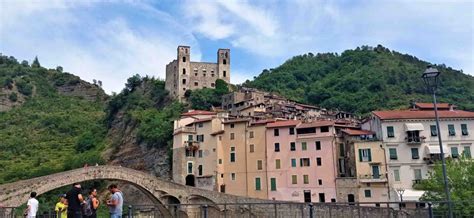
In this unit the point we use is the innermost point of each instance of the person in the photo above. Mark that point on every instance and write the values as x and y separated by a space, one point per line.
115 204
94 203
61 207
74 199
32 206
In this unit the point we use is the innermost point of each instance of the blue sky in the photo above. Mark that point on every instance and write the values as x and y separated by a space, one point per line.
112 40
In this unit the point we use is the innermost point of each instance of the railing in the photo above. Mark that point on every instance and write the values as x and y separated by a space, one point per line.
415 139
288 209
191 145
372 178
185 129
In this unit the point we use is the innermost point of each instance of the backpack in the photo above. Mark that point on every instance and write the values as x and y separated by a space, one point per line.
87 207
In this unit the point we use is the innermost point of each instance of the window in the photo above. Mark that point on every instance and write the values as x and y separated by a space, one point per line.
320 182
213 84
232 136
200 138
454 152
367 193
195 74
273 186
220 161
200 153
451 130
396 175
467 151
200 170
259 165
414 153
232 125
232 154
318 145
196 83
305 179
224 61
276 132
200 125
190 137
277 164
190 168
251 134
277 147
257 184
252 148
292 131
464 129
434 131
303 146
322 198
232 176
293 162
318 161
364 155
184 71
393 153
390 132
324 128
305 162
292 146
341 150
294 179
225 73
417 174
184 59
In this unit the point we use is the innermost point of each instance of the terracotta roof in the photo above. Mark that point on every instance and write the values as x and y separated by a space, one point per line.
261 122
357 132
198 112
416 114
431 106
316 124
283 123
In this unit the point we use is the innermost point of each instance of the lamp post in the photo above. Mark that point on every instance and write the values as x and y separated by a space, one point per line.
400 192
430 77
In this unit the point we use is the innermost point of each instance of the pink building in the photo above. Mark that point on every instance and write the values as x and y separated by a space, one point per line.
300 162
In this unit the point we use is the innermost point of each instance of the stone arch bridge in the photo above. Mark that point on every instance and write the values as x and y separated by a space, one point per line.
161 191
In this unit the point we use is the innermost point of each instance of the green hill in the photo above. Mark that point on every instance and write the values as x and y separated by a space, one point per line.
50 121
362 80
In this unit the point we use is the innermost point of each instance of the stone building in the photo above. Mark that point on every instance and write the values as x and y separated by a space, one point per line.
182 74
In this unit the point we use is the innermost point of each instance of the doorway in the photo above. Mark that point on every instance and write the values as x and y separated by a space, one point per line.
307 196
190 180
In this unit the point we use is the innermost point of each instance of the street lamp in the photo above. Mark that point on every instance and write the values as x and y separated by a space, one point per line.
430 77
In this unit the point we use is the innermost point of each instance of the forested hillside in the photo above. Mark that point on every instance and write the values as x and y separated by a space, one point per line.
362 80
50 120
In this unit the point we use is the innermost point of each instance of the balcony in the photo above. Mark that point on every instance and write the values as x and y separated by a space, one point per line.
191 145
414 140
185 129
368 178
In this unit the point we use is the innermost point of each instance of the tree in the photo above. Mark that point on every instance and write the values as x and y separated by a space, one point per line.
59 69
461 183
24 63
100 83
36 63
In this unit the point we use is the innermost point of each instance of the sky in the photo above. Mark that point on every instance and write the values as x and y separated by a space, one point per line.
113 40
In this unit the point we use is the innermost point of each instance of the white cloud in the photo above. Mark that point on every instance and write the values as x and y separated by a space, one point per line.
108 47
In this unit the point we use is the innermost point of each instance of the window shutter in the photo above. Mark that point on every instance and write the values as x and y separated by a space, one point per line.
360 155
370 156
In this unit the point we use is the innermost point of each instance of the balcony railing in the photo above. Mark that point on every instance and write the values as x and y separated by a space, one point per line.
415 139
368 178
191 145
187 129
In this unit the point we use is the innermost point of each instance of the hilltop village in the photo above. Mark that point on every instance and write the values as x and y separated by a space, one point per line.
259 144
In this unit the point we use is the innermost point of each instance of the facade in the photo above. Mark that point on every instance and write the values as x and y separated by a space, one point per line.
300 161
410 139
182 74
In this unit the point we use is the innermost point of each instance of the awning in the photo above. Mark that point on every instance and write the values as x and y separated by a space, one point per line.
434 149
414 127
412 195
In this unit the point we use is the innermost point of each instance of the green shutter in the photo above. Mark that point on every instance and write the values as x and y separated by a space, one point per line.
257 184
467 152
360 155
370 155
273 184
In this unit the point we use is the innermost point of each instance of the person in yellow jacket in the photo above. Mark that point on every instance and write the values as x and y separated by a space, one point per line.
61 207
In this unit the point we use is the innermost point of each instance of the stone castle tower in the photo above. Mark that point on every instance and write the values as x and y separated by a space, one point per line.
182 74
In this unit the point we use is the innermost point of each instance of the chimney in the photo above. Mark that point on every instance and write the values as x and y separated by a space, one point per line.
451 107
